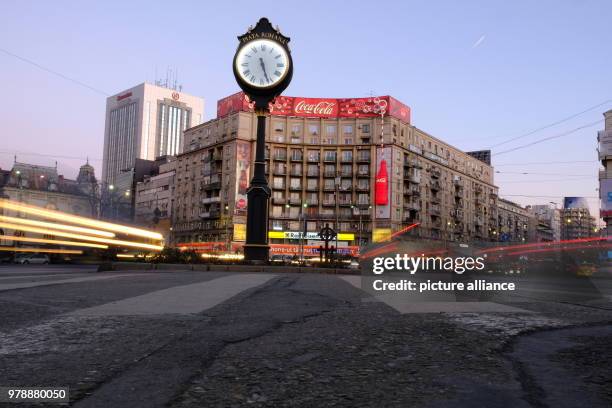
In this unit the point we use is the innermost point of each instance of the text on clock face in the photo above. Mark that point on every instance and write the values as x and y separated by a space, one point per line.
262 63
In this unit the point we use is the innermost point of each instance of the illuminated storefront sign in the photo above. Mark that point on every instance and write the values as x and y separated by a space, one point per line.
343 236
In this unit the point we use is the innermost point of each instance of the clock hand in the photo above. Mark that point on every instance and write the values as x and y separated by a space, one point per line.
263 66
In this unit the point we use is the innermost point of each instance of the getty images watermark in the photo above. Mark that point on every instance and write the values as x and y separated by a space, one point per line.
404 263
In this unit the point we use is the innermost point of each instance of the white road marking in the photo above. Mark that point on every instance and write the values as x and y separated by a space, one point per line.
193 298
57 275
446 303
23 285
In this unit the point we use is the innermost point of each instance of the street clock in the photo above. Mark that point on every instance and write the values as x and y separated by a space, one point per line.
262 64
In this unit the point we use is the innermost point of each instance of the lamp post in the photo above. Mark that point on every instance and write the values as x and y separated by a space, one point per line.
337 225
227 237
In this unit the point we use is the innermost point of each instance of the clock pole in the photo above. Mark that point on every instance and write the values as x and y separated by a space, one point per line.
256 247
262 77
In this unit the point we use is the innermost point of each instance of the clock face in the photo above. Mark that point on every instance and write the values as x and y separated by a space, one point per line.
262 63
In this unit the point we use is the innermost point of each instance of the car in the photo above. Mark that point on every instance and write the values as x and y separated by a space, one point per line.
32 259
353 264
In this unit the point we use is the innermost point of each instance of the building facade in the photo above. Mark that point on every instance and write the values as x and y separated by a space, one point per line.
547 223
604 139
146 122
514 222
577 223
358 165
42 186
154 197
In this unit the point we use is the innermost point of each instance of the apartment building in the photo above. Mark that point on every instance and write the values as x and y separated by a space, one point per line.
356 164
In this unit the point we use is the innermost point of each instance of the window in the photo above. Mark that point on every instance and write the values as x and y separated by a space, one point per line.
365 128
313 129
347 129
348 140
347 155
279 127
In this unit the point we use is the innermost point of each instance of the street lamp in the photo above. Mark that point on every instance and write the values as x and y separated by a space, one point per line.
228 248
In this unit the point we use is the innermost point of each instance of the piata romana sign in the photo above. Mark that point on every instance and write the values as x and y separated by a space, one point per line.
320 107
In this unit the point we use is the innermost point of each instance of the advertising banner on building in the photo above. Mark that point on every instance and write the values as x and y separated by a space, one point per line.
605 191
382 183
243 166
239 232
575 202
321 107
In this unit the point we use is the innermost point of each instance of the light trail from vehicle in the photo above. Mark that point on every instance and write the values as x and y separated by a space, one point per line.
53 241
64 227
81 237
42 250
61 216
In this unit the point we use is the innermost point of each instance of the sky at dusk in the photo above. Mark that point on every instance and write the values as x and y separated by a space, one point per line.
475 73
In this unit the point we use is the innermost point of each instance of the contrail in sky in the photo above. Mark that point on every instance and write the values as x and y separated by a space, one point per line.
479 41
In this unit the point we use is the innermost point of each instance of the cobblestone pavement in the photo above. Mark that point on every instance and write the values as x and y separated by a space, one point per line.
275 340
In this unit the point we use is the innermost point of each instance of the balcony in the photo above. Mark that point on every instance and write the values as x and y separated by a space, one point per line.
478 189
280 157
434 211
278 200
435 200
208 200
409 218
416 164
435 172
295 188
458 203
458 183
217 157
435 185
412 206
457 214
313 173
329 159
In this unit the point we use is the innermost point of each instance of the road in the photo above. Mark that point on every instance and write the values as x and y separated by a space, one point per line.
218 339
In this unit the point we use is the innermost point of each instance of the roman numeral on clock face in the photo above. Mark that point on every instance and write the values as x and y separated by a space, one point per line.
277 73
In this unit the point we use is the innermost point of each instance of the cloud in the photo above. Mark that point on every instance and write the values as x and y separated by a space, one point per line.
479 41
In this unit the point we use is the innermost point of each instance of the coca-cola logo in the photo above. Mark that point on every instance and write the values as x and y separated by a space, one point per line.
381 179
175 96
319 108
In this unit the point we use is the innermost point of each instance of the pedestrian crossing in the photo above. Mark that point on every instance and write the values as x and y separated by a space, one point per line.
32 284
186 299
202 295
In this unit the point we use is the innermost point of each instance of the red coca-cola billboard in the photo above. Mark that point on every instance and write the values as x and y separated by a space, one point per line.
321 107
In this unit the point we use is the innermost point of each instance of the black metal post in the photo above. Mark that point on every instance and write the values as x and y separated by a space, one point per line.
256 248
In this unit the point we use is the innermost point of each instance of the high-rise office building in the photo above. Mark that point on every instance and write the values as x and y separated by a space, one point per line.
146 122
